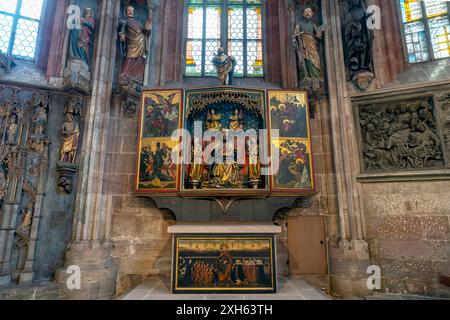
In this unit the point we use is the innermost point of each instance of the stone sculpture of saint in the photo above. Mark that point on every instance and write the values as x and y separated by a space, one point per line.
81 39
307 37
24 228
134 46
12 131
225 65
358 38
70 133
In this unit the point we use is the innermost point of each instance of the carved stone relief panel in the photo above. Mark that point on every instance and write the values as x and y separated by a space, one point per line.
400 135
443 101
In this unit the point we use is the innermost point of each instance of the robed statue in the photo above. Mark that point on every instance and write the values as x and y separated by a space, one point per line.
225 65
70 133
81 39
134 47
307 38
358 42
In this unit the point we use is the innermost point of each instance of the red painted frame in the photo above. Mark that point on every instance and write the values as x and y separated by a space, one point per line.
137 190
291 191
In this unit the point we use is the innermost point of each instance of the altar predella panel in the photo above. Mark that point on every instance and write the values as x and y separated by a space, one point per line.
230 263
273 156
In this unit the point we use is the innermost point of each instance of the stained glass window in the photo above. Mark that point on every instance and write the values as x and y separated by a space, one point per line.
235 25
427 29
19 27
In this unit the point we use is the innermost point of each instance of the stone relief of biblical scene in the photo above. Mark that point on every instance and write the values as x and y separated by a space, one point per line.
443 100
400 136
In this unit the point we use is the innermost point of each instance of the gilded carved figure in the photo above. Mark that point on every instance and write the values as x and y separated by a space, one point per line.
236 120
214 120
196 172
70 133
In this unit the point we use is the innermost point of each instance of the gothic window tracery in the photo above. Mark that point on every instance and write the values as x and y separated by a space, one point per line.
235 25
426 27
20 21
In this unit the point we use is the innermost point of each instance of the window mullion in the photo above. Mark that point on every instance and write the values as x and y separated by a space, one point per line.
14 29
225 26
204 39
244 43
427 30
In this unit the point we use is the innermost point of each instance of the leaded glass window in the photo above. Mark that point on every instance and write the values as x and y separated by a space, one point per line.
426 28
19 27
235 25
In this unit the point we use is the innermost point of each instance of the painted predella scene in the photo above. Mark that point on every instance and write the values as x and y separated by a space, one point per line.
231 264
289 114
159 119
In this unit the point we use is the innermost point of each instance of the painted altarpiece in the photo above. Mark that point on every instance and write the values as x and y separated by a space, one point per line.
276 120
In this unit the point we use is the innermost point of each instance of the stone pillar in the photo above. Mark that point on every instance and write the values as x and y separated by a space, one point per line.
91 247
349 257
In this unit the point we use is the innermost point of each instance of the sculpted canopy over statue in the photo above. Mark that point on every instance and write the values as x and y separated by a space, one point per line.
81 39
225 65
307 37
134 47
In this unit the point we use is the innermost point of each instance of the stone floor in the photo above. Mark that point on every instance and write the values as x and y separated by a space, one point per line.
289 289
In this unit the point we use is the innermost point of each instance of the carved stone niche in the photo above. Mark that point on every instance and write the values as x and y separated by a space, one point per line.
400 136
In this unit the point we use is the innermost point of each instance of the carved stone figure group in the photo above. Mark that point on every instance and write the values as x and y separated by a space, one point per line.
400 136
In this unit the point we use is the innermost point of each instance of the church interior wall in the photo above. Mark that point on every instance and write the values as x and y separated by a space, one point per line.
405 222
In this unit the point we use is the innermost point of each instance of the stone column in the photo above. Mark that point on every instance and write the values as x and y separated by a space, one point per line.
349 257
91 247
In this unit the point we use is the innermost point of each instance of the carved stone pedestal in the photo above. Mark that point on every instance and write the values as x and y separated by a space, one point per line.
77 75
66 172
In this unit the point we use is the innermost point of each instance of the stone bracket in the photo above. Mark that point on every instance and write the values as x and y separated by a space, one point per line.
224 208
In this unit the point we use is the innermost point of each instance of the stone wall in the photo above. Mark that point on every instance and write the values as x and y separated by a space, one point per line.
408 231
141 245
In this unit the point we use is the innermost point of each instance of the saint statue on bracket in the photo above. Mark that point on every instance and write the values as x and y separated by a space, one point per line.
81 39
307 38
133 38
